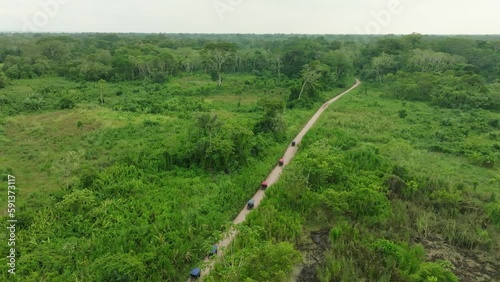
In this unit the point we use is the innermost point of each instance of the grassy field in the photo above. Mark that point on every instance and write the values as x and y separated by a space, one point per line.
413 141
35 142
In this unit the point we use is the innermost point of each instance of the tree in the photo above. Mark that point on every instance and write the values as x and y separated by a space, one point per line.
91 71
298 52
66 103
311 74
217 55
53 49
276 59
383 64
272 120
341 64
322 165
2 81
209 124
102 87
430 61
68 164
411 41
189 59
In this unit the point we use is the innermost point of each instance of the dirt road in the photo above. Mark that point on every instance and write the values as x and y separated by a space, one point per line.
271 179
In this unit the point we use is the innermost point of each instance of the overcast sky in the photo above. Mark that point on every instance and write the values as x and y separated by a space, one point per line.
253 16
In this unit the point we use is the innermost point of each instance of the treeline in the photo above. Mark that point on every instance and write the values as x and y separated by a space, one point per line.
470 62
119 58
444 90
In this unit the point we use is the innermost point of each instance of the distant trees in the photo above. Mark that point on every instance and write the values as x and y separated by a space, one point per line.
276 60
119 267
341 62
190 59
216 56
383 65
430 61
117 58
445 90
53 49
16 67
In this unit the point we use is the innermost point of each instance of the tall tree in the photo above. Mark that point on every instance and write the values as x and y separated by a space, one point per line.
216 55
311 74
383 64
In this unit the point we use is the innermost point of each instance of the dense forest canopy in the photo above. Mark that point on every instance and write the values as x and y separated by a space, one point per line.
156 57
135 151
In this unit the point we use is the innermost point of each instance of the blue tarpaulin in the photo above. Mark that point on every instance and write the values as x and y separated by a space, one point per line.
195 272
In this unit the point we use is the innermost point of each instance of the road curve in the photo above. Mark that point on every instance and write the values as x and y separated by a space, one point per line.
271 179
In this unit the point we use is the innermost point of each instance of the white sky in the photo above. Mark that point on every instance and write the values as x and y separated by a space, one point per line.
253 16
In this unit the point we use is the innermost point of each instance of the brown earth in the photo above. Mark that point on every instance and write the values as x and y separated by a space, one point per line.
470 265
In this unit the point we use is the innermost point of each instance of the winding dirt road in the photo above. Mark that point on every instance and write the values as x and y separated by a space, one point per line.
271 179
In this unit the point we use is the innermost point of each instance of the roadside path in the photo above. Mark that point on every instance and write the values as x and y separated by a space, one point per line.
271 179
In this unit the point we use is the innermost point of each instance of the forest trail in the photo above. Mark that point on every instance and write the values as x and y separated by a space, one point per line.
271 179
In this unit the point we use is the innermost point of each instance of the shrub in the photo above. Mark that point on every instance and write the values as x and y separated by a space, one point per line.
150 123
33 102
66 103
403 113
118 267
4 100
435 271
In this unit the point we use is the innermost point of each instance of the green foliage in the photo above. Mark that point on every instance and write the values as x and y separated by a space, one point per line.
66 103
493 210
78 201
447 90
276 260
272 121
118 267
367 202
263 262
403 113
322 165
33 102
435 271
166 165
118 180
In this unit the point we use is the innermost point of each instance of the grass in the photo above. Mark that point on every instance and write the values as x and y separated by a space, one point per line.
36 142
411 141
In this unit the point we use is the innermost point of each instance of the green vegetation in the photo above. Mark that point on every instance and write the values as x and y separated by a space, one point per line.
375 183
133 153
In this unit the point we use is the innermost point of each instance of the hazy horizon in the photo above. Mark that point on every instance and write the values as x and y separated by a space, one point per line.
319 17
